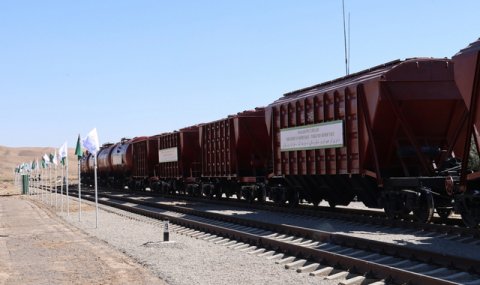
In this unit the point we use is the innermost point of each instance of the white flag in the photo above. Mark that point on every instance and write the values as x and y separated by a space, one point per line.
62 151
90 142
46 158
54 159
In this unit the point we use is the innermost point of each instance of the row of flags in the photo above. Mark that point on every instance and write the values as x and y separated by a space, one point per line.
90 143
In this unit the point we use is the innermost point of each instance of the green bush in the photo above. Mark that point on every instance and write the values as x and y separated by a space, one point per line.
473 159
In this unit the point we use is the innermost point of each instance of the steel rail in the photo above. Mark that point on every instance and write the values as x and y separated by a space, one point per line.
352 264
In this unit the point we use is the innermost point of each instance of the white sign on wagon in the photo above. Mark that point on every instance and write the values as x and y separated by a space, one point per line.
168 155
323 135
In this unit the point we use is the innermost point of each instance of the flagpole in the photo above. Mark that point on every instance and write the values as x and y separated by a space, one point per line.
50 185
44 193
79 194
36 180
29 182
42 177
33 181
79 154
96 192
61 192
92 145
66 185
56 194
39 170
44 185
44 182
34 171
48 196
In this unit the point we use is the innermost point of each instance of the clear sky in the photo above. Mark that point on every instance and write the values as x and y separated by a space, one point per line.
134 68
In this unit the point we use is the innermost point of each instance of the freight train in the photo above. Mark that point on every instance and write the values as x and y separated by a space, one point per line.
396 136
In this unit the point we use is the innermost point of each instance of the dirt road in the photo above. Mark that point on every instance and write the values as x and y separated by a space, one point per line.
36 247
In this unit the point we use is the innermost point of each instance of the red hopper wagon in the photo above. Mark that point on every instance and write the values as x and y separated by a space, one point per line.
379 135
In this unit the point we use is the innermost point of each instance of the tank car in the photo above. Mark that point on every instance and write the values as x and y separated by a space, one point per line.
379 135
86 169
104 165
122 162
114 164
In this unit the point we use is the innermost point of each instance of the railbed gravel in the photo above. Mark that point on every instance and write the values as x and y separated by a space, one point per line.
185 261
405 237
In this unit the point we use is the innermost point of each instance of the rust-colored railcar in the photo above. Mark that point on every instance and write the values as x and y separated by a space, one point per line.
467 78
104 165
235 153
84 164
176 159
86 169
145 158
178 155
122 161
141 169
356 135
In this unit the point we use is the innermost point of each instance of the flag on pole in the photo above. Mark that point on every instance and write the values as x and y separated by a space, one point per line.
54 158
79 154
78 148
93 146
63 153
45 160
25 167
90 142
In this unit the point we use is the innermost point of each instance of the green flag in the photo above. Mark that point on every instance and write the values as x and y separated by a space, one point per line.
78 149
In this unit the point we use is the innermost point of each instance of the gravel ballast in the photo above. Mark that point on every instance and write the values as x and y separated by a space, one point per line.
411 238
185 260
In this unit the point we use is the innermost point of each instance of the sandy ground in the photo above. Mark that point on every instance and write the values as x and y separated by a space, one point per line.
37 247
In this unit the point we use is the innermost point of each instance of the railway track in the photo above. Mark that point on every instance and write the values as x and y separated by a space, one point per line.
452 226
451 229
352 259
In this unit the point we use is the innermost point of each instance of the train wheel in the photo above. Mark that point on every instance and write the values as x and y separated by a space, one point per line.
444 213
239 194
250 197
294 199
395 209
468 205
469 219
423 212
191 190
218 193
262 195
316 202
